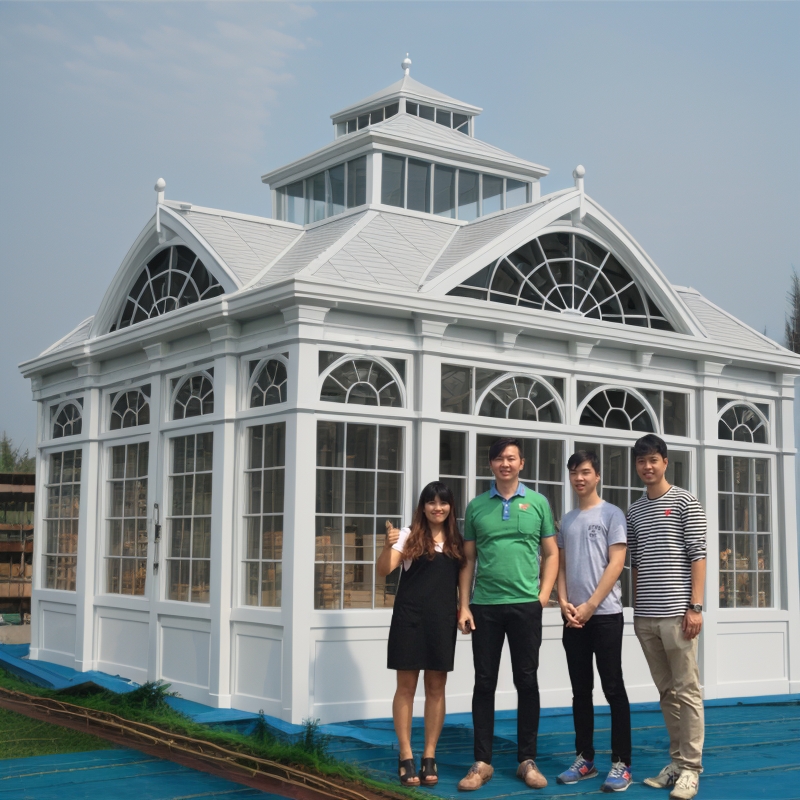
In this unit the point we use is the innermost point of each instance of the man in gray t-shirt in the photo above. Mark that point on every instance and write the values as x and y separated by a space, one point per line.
592 542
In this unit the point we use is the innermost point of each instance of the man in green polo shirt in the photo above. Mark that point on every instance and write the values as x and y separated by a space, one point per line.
505 527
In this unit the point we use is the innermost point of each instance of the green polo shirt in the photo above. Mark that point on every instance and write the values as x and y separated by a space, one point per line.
507 535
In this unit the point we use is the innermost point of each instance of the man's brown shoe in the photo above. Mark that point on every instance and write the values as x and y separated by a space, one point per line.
480 773
529 773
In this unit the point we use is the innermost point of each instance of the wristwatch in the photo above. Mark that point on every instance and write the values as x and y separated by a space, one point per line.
696 607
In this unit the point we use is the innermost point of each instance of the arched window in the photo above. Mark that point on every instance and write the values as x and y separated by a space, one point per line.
269 384
67 419
620 409
362 381
194 397
520 397
172 279
742 423
569 274
130 408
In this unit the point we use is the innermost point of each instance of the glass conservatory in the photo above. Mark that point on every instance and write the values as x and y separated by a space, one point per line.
223 442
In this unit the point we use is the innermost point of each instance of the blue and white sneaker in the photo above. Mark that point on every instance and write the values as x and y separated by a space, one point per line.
619 779
580 770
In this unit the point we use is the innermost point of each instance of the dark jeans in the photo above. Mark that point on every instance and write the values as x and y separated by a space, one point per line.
601 637
522 624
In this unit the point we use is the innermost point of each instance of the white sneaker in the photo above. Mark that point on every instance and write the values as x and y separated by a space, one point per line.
665 778
686 786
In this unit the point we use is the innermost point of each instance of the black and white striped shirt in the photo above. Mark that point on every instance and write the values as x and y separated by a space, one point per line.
664 536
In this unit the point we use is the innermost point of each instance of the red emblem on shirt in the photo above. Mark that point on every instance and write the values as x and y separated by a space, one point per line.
524 506
667 512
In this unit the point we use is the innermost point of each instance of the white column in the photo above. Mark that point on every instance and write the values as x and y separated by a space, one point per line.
88 527
374 165
223 512
39 533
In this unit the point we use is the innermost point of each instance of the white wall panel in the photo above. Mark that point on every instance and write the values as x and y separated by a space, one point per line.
749 654
59 629
123 644
185 652
258 665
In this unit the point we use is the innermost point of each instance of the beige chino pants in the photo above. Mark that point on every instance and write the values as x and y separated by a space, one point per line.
673 665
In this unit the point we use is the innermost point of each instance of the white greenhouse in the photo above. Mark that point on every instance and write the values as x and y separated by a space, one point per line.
222 442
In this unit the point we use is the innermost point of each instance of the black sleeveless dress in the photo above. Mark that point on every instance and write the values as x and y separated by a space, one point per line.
424 621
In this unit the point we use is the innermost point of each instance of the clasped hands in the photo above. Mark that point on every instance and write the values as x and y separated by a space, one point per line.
577 616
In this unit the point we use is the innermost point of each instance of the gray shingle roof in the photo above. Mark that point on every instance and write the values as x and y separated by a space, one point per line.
721 326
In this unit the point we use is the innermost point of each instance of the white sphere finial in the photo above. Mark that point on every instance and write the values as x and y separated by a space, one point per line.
406 65
579 171
161 184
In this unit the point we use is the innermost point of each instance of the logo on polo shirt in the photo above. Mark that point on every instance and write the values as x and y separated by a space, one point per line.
524 506
667 512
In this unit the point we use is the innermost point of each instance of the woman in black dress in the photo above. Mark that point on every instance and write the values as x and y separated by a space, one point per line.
423 631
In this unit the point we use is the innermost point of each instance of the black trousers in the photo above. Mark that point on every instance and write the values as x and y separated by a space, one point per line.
600 637
522 624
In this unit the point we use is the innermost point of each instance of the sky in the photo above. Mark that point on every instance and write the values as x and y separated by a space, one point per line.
686 117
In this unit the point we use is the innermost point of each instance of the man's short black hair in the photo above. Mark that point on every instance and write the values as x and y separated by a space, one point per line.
650 445
580 457
497 447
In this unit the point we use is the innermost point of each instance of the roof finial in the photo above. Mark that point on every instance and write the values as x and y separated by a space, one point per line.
161 184
578 174
406 65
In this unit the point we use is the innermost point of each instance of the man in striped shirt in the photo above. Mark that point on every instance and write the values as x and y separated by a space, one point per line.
667 542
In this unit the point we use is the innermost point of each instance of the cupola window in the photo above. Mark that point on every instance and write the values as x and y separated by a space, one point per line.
450 119
565 273
367 118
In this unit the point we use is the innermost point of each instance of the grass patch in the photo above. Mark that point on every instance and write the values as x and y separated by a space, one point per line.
23 737
148 704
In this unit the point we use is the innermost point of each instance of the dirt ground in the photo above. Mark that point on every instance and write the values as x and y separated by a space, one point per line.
15 634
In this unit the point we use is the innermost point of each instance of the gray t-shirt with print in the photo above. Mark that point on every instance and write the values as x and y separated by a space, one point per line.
585 537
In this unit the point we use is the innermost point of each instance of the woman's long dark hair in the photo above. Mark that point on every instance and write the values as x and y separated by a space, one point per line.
420 540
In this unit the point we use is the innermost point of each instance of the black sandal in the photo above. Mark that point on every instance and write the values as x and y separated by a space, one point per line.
428 773
410 772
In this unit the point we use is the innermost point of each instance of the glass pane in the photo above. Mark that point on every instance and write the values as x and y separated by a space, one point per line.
467 194
363 121
551 460
273 491
112 575
615 465
181 538
764 590
762 513
741 513
376 116
117 492
253 480
336 179
327 586
391 110
358 585
361 446
678 468
117 462
393 180
426 112
251 584
328 541
727 598
178 588
386 589
741 475
461 122
745 585
763 546
256 447
359 539
458 486
456 389
444 117
295 211
492 198
762 475
202 493
390 448
617 497
275 445
201 579
389 499
452 453
675 414
252 538
726 512
271 584
128 538
554 495
725 474
330 444
272 537
444 191
725 551
359 493
419 185
516 193
743 552
329 491
357 182
201 538
114 538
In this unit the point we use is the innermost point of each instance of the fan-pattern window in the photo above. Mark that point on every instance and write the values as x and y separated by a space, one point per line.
741 423
61 520
569 274
131 408
270 385
361 381
68 420
172 279
618 409
194 398
520 397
